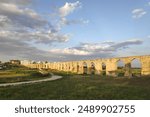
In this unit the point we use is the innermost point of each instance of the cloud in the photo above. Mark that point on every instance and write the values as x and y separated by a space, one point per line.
21 28
138 13
127 43
66 10
19 2
70 51
69 8
104 48
37 37
4 21
11 9
34 27
64 22
15 49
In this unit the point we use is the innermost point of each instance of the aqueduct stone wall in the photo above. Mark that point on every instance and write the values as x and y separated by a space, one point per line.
96 65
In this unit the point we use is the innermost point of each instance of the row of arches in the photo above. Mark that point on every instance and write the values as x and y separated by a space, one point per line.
134 68
92 69
119 67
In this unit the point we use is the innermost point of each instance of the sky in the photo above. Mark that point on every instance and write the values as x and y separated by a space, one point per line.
60 30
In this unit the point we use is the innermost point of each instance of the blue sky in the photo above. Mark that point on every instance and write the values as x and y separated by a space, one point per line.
55 30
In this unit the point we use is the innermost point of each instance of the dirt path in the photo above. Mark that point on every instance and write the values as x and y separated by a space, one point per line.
54 77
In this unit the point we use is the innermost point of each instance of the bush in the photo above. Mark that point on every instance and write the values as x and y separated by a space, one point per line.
103 73
36 74
121 74
40 74
45 75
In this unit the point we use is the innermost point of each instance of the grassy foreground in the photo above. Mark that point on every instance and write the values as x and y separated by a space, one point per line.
81 87
17 73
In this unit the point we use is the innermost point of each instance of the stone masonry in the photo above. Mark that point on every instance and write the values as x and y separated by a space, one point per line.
96 65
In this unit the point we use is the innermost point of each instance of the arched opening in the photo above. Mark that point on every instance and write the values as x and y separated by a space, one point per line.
73 68
69 67
78 67
62 66
103 69
120 68
85 68
136 67
92 68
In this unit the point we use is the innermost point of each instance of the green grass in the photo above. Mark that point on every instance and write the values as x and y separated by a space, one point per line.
81 87
19 74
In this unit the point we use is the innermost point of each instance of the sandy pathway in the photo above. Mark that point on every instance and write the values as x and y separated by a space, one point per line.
54 77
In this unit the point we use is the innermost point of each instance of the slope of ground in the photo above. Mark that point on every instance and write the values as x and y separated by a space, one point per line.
81 87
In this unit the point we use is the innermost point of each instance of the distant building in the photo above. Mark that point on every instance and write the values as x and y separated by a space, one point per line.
15 62
27 62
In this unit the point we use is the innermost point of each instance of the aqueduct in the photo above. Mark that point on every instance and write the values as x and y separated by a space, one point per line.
106 66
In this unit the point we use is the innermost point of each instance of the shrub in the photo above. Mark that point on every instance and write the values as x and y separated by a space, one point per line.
121 74
36 74
40 74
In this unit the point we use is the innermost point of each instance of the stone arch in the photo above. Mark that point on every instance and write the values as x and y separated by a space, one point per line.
85 68
62 67
69 66
120 67
92 68
44 66
78 68
103 69
136 67
73 68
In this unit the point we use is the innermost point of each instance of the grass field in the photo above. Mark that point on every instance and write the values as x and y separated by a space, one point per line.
81 87
19 74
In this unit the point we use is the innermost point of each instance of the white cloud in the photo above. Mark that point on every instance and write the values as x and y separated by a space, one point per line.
22 17
64 22
138 13
11 8
70 51
21 26
89 49
33 25
37 37
69 8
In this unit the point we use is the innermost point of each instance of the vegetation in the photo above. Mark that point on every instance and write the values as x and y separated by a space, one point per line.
18 73
73 86
136 72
